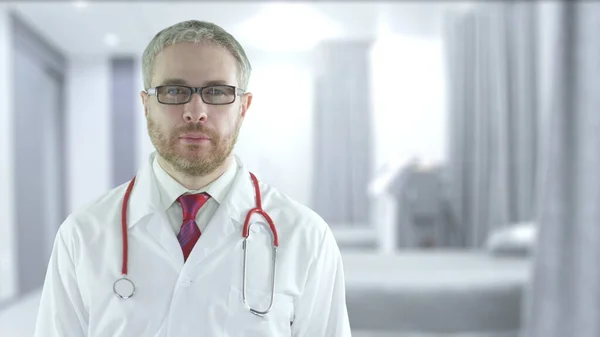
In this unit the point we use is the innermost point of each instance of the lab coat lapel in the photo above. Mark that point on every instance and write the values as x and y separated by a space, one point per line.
164 236
145 212
225 227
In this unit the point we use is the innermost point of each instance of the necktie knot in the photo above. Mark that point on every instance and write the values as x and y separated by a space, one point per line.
191 204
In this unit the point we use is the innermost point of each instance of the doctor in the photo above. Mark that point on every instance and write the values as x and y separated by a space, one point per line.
164 254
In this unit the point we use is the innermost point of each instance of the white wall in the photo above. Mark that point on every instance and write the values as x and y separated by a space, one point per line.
143 147
88 118
409 102
276 139
7 208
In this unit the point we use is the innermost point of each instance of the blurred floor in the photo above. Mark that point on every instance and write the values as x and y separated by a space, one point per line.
18 319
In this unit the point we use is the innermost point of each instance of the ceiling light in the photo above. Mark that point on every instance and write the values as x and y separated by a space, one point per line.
283 27
80 4
111 40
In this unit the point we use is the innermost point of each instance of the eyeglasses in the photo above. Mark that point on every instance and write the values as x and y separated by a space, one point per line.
181 94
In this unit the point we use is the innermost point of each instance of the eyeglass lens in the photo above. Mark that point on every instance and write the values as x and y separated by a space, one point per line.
176 94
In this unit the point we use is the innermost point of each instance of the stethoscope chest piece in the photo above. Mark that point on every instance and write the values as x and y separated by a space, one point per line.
124 288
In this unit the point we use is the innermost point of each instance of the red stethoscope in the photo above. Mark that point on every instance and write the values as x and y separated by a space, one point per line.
124 288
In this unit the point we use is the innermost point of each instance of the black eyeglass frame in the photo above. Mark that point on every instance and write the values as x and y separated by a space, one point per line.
237 92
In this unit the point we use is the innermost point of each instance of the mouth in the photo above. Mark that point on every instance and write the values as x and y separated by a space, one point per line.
194 137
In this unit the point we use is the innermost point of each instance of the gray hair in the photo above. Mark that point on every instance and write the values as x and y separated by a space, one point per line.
194 31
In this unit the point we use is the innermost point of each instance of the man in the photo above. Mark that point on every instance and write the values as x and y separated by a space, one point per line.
182 250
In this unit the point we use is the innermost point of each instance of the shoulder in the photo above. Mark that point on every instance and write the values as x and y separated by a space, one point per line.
95 214
295 219
280 202
306 241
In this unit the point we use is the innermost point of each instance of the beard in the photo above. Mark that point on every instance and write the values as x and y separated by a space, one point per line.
193 159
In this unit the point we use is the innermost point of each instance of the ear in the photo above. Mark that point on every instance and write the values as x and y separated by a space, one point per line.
144 97
246 102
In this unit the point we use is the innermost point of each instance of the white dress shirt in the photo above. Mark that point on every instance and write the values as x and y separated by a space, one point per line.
170 190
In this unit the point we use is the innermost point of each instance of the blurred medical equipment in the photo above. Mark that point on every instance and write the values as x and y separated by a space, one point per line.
423 215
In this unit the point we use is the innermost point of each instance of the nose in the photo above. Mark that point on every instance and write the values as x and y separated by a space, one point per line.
195 111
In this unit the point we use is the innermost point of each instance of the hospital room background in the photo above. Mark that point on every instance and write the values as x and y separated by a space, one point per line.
452 147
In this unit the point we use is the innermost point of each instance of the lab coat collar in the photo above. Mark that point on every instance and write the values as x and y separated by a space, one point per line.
241 198
145 197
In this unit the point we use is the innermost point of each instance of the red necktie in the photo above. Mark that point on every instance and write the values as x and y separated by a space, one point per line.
189 232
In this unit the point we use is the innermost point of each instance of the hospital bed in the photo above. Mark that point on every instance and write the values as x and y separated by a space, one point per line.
436 293
415 283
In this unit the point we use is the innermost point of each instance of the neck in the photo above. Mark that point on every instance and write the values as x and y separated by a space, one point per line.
194 182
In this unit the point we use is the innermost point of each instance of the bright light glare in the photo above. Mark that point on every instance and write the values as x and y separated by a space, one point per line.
408 100
80 4
287 27
111 40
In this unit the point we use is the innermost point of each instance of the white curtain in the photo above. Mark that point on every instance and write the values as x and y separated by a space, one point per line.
493 117
565 294
342 132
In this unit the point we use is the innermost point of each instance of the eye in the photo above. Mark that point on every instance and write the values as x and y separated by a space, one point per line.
174 91
214 91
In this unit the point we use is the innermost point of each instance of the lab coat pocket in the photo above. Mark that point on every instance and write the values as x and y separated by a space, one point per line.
243 323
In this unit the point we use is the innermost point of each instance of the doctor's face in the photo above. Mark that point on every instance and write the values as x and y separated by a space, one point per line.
196 137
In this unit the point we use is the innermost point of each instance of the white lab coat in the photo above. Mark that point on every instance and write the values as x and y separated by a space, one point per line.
203 296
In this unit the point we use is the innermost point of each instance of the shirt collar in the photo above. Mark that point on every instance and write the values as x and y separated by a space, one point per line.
170 189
